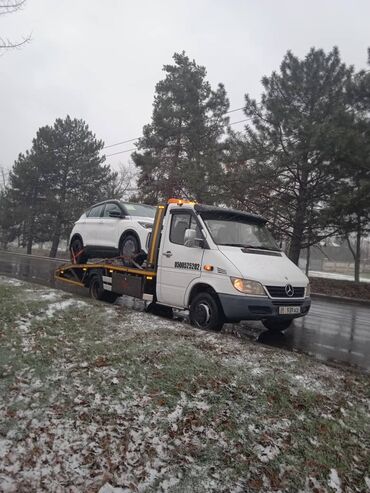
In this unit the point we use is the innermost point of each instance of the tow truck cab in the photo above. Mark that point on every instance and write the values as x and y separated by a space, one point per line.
221 264
224 265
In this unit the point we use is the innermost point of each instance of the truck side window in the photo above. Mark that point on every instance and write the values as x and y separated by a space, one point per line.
179 224
194 225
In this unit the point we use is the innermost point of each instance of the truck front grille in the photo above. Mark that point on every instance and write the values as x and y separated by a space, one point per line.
279 292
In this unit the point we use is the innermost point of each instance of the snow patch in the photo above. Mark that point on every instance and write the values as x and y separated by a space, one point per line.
334 481
108 488
265 454
51 296
62 305
175 415
10 281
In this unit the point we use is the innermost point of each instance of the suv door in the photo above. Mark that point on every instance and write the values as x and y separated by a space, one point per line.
111 227
92 226
178 264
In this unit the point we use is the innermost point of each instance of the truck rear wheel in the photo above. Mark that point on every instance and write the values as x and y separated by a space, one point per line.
97 291
206 313
276 325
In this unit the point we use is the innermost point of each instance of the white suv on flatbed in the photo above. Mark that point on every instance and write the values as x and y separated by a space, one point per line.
110 229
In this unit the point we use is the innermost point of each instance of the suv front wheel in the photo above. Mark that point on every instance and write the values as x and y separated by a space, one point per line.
129 247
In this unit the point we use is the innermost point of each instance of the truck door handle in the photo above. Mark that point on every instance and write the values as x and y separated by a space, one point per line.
167 254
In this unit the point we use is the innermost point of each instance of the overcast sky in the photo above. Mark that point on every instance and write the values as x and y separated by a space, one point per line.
101 60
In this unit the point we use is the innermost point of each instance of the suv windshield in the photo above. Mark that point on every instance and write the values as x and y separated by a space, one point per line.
139 210
239 231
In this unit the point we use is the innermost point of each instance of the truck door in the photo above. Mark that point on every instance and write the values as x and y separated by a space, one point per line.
179 263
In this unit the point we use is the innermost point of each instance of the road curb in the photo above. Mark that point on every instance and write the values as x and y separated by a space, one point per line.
340 298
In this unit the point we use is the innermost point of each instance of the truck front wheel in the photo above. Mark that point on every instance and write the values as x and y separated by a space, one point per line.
277 325
206 313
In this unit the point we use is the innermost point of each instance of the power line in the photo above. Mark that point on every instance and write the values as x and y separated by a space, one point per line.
119 143
134 149
121 152
236 109
240 121
133 140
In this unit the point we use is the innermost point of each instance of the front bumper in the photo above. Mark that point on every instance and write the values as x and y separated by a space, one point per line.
238 308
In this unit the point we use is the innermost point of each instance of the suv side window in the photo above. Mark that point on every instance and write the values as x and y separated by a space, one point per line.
96 211
111 207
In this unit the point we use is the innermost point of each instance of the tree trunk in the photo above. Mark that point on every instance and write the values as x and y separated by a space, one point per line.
308 260
30 235
298 225
358 251
296 241
29 244
55 240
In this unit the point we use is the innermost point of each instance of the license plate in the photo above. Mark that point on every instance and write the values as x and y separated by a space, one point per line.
289 310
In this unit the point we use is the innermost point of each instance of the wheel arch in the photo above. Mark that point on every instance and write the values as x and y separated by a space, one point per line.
91 274
126 233
75 237
202 287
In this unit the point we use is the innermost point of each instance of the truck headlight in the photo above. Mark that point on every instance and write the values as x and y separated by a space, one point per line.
146 225
248 287
307 292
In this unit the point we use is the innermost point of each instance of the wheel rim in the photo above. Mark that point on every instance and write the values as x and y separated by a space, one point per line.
129 247
202 314
94 289
76 247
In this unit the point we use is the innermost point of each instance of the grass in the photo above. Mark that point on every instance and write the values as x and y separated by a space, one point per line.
93 394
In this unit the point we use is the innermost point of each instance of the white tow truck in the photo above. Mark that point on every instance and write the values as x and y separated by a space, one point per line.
220 264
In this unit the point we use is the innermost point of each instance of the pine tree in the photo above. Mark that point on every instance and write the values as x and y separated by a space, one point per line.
52 184
179 153
350 206
26 199
294 145
76 174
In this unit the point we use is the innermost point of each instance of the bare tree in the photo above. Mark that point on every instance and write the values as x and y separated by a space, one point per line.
9 7
123 184
4 175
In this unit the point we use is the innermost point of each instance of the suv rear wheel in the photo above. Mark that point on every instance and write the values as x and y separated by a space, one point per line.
78 256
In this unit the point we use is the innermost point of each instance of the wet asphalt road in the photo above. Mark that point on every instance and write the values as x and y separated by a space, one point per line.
333 330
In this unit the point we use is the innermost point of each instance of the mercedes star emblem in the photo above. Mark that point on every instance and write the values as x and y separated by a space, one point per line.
289 290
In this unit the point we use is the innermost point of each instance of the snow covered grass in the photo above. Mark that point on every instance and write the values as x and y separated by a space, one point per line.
102 398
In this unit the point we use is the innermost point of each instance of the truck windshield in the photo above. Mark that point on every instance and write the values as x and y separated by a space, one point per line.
240 232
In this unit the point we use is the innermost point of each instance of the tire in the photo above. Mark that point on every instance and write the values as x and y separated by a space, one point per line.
75 247
277 325
206 313
129 246
97 291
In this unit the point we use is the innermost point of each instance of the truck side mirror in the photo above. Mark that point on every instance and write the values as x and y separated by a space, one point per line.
191 241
